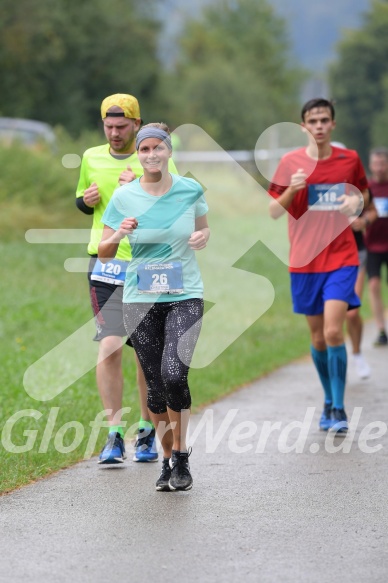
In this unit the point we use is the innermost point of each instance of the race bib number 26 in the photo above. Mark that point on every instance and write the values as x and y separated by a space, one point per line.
157 278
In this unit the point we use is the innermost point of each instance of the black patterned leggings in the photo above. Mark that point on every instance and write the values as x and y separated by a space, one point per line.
164 337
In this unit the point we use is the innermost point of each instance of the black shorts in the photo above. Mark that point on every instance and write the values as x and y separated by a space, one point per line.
107 305
362 257
374 263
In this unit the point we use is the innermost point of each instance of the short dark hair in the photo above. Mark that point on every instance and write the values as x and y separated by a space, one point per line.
381 151
318 102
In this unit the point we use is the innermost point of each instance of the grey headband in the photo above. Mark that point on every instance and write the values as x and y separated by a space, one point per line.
153 133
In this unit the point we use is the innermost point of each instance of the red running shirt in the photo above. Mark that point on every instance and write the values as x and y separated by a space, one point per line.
321 239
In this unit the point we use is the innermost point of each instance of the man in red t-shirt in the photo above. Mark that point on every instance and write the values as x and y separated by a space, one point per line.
376 237
321 187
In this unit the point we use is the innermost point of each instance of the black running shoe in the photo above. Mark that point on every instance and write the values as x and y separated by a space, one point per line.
162 483
180 471
382 339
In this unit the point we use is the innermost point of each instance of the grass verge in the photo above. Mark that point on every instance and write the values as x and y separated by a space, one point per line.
44 305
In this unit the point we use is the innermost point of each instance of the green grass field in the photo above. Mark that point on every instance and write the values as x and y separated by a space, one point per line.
43 305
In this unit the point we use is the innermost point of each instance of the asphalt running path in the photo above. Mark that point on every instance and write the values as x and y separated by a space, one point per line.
261 516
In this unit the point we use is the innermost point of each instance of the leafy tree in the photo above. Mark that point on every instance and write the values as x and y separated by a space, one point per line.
60 58
358 82
233 76
379 126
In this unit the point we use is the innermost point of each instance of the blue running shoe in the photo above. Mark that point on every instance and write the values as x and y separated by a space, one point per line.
326 421
113 451
340 422
145 446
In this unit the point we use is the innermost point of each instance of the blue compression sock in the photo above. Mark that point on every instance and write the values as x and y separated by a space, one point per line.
337 361
320 359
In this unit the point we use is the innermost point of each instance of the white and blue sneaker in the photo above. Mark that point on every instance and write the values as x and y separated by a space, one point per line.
113 451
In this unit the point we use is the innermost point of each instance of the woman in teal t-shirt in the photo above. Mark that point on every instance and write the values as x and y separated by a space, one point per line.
164 217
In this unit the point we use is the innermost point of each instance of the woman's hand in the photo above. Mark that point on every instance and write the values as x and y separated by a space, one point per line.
198 240
110 239
200 237
127 227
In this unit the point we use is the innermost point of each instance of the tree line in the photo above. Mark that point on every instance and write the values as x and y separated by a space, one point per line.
359 82
233 76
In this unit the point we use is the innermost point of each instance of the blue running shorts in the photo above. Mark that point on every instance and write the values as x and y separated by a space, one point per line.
310 291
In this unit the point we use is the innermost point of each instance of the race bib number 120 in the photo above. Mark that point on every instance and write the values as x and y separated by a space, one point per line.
111 272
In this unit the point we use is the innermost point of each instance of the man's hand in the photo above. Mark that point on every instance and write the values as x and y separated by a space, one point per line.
91 195
279 206
358 224
298 180
127 176
351 204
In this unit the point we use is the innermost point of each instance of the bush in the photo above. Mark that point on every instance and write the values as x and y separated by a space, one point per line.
36 190
36 176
